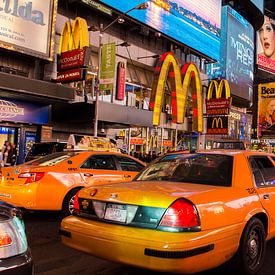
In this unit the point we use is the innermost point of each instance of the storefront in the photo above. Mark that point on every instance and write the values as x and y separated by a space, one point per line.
21 123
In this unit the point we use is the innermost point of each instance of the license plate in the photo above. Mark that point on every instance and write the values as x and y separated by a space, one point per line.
116 212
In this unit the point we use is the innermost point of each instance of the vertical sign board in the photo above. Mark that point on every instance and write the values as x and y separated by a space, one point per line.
121 78
266 46
28 26
266 109
107 66
217 125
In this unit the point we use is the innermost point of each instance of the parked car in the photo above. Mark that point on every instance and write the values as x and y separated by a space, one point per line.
51 182
15 257
182 214
41 149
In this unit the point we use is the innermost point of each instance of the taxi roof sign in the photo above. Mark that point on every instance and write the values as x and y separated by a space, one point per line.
83 142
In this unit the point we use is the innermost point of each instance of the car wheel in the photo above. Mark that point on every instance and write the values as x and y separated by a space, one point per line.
250 255
68 203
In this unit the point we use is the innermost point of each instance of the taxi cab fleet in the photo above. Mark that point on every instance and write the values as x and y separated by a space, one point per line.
51 182
184 213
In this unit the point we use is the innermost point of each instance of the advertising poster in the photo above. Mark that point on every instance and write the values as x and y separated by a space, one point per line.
107 66
26 26
195 23
266 109
237 54
266 46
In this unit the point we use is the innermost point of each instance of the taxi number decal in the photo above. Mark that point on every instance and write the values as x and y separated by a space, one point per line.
72 169
251 191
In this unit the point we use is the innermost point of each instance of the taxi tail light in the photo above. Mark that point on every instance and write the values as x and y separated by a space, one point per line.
5 240
76 203
32 177
181 214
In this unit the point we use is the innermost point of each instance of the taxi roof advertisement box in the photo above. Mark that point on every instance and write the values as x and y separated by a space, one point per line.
28 26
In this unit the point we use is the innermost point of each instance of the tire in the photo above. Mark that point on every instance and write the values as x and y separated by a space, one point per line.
68 203
251 252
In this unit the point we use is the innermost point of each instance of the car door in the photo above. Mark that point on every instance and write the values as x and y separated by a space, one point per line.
264 175
128 166
100 169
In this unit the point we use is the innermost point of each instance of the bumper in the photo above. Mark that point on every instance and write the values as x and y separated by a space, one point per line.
151 249
20 196
21 264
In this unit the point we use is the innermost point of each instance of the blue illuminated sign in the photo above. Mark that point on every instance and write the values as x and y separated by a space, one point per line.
237 54
194 23
19 111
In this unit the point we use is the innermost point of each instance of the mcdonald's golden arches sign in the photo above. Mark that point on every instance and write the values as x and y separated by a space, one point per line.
180 79
74 51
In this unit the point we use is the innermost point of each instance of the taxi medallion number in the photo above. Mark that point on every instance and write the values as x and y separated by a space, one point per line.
116 212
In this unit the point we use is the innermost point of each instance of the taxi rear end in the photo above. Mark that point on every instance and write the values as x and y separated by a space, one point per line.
159 223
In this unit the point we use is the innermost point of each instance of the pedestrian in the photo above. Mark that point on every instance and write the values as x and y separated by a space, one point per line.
7 156
13 154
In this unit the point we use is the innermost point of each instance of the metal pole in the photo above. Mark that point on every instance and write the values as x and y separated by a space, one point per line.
97 85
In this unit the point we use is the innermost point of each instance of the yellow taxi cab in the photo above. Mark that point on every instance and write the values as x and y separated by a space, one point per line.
184 213
51 182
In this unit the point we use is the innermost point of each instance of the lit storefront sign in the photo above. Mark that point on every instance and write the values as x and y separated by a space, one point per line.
17 111
28 26
180 80
74 51
236 116
217 125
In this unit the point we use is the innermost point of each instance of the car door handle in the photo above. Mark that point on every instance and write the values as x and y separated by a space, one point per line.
266 197
88 175
127 176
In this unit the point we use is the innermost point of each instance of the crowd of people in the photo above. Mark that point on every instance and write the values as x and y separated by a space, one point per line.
8 154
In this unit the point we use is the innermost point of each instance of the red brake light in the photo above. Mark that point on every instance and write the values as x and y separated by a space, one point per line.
5 240
31 176
181 214
76 203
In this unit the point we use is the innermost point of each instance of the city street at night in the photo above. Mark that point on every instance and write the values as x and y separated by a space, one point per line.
51 257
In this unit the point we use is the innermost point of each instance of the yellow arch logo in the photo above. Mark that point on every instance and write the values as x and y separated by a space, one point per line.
181 82
75 36
218 88
216 122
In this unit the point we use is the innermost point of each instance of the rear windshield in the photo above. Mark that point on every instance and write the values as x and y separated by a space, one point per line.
52 159
46 148
209 169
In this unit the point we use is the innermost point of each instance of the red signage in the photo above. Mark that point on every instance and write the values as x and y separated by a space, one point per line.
136 141
121 77
218 106
167 143
74 59
217 125
71 75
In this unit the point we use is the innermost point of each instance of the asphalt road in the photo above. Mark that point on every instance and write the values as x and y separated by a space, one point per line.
51 257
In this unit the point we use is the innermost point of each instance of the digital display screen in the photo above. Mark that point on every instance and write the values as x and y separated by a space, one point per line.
266 46
237 54
194 23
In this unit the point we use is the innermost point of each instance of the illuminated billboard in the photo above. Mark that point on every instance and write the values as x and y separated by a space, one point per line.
27 26
194 23
266 109
237 54
266 46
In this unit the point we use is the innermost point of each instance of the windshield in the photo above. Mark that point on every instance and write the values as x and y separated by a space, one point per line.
52 159
212 169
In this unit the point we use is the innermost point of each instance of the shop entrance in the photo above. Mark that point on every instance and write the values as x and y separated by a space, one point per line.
8 133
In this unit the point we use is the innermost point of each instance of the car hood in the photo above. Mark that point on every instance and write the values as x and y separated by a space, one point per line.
149 193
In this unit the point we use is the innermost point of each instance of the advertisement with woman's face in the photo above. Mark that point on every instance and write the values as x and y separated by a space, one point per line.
266 46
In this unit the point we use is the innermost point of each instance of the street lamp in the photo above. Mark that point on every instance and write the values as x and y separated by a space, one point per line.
141 6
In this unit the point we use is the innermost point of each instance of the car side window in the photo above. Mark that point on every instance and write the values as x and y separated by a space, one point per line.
128 164
101 162
263 171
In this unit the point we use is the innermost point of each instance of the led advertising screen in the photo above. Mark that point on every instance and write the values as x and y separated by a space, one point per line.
266 46
266 109
237 54
27 26
195 23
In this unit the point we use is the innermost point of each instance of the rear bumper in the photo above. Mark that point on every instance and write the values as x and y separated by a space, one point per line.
22 264
151 249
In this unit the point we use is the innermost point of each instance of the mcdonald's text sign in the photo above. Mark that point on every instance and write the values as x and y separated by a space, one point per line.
121 78
217 125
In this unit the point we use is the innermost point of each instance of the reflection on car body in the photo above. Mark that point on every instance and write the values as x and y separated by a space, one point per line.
181 214
51 182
